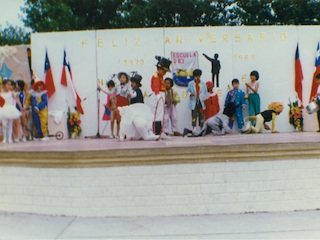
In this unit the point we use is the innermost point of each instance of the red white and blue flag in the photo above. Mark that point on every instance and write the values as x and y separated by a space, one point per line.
48 77
67 81
298 76
314 87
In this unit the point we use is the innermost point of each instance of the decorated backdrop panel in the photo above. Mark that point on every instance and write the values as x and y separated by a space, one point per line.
130 50
80 51
96 55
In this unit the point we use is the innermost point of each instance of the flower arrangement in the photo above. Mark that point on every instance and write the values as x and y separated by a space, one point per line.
74 123
295 115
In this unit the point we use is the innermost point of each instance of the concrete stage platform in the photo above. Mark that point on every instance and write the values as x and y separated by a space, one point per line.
182 176
68 153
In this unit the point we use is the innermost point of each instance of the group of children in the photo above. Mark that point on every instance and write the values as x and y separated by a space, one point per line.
204 106
124 94
121 95
203 103
15 102
211 121
235 102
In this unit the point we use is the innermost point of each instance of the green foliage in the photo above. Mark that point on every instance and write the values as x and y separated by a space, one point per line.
292 12
14 36
62 15
66 15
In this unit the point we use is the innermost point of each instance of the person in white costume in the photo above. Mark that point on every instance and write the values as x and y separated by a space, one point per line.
9 112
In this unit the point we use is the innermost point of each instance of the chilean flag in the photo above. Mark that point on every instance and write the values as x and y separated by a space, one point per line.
298 75
67 81
66 67
314 87
48 77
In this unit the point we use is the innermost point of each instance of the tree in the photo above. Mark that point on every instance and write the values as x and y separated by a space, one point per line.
14 36
289 12
49 15
63 15
254 12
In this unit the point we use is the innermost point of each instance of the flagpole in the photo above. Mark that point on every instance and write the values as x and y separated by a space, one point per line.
98 135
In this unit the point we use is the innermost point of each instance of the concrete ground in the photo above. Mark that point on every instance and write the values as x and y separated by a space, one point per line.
284 225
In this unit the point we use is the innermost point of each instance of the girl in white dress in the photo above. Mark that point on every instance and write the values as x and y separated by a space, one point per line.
9 112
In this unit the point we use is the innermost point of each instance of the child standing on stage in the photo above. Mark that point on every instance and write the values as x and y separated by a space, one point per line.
123 89
170 111
198 91
37 100
158 89
21 124
211 102
9 112
253 95
316 99
236 96
111 112
136 95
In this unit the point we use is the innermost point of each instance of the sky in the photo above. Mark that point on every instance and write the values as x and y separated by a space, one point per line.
9 12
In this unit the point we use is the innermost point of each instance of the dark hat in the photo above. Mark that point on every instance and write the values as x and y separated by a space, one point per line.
255 73
125 74
137 79
229 109
163 63
197 72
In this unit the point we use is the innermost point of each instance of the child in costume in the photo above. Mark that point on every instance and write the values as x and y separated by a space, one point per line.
170 110
37 100
123 89
316 99
253 95
236 96
274 109
9 112
21 124
158 89
16 122
120 91
136 95
217 124
111 112
197 91
211 102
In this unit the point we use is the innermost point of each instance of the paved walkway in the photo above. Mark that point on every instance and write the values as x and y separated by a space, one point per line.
286 225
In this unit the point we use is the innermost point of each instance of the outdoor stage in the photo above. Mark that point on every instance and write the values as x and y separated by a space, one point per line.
182 176
112 152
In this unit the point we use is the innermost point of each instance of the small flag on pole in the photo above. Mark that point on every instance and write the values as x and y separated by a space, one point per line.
67 81
314 85
48 77
298 76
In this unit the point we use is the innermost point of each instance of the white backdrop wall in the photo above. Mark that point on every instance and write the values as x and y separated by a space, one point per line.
96 55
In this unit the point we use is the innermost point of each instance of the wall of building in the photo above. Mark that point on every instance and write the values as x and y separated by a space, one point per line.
162 190
96 55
